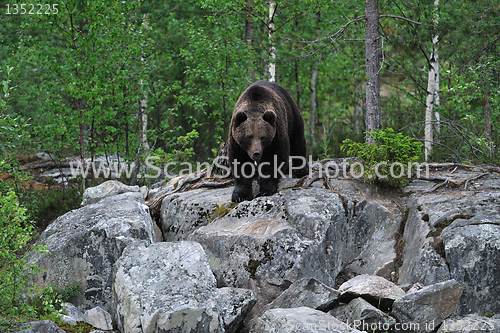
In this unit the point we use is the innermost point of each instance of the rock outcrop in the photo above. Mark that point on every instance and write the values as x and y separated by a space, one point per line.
270 242
281 263
84 244
165 287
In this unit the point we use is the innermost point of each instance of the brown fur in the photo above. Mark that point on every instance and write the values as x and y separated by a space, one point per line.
266 123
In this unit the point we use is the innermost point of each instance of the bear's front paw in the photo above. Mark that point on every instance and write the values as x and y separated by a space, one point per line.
267 188
239 196
265 193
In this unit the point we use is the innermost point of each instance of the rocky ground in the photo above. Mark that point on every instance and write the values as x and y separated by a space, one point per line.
335 255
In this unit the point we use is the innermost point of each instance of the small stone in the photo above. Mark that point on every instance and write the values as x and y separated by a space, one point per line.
106 189
73 312
45 326
367 317
67 319
307 292
98 318
234 304
378 291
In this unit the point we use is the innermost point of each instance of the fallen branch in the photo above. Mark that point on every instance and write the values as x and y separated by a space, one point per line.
309 180
181 185
435 187
212 184
474 178
49 164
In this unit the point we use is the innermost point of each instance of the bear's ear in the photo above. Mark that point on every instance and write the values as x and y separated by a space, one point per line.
239 118
270 117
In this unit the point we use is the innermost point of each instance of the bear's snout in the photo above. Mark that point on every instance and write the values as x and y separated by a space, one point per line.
255 151
256 156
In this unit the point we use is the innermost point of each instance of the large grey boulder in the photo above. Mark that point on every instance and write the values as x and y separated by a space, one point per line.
378 291
470 324
472 249
73 312
85 243
372 229
424 260
456 235
429 306
374 223
361 314
270 242
298 320
307 292
107 189
183 212
165 287
234 304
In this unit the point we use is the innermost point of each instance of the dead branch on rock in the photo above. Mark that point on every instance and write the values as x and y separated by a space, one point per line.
474 178
212 184
435 187
311 179
48 164
181 186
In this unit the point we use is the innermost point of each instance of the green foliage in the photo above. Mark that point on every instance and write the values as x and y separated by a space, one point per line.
49 301
12 129
45 205
181 150
388 148
15 233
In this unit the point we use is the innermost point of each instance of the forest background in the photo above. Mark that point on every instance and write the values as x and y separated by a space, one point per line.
97 68
128 79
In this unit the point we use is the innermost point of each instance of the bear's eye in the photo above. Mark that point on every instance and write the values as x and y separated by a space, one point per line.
239 118
269 116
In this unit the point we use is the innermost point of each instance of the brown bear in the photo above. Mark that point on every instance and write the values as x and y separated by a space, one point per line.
266 130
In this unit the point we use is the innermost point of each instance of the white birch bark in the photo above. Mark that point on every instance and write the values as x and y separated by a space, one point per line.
432 93
272 50
143 111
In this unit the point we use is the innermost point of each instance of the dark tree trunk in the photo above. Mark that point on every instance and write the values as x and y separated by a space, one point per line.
297 85
372 61
249 38
487 121
79 109
314 98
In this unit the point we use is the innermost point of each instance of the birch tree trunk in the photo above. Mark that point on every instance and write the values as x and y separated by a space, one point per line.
143 119
372 62
272 50
432 93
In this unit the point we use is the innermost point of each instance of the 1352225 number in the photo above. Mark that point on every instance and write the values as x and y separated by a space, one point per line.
31 9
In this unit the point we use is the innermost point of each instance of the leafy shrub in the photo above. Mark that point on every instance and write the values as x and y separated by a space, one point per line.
48 304
45 205
181 150
388 148
15 233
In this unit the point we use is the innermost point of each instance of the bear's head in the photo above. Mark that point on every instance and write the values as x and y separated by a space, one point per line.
254 130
